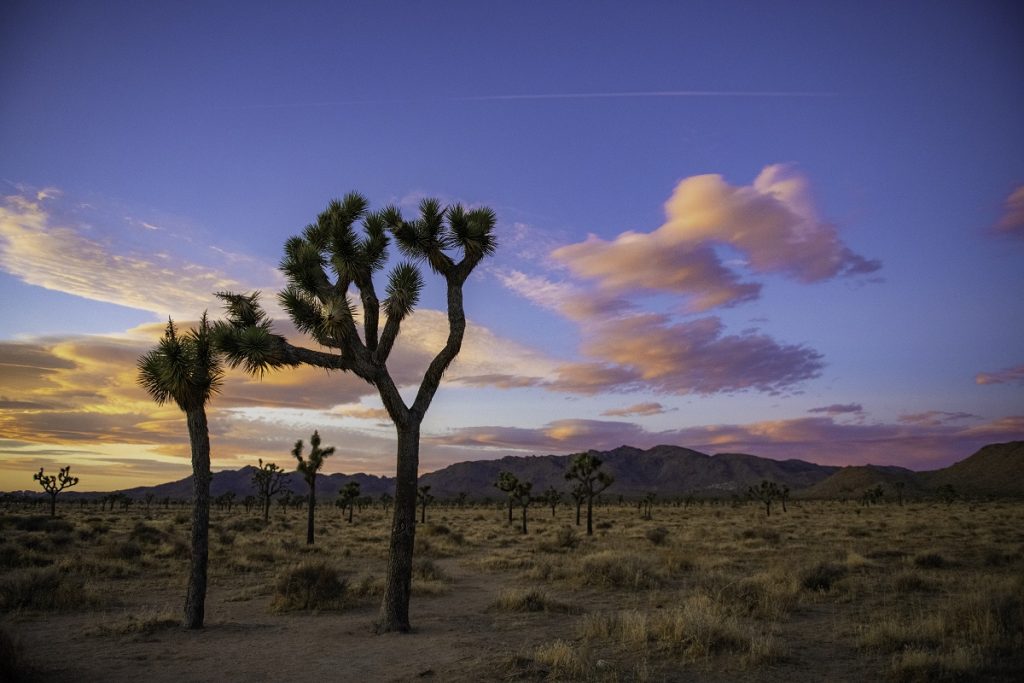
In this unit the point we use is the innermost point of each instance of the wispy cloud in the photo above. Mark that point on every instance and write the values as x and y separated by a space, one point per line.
1012 221
637 409
1014 375
839 409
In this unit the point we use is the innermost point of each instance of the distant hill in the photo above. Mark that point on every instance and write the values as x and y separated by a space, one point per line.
995 470
851 482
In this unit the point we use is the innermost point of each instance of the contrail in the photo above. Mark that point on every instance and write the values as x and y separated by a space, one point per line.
551 96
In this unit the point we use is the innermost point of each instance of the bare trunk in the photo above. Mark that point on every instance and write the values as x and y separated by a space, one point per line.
53 504
266 509
394 609
195 598
579 504
590 516
524 519
312 508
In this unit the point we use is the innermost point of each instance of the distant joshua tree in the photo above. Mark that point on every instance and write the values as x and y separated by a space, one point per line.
872 496
187 370
385 500
900 485
552 497
947 494
507 482
424 498
54 485
460 500
268 480
249 502
309 468
767 492
521 496
646 504
347 497
784 496
584 468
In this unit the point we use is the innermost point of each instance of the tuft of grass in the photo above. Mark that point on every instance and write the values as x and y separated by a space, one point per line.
563 661
310 585
656 535
42 589
528 600
611 569
822 577
930 560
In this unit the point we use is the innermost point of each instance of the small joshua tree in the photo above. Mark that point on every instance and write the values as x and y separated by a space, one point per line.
268 480
784 496
578 495
385 501
424 498
54 485
872 496
900 485
508 482
523 498
347 497
584 468
552 497
309 467
646 503
767 492
249 502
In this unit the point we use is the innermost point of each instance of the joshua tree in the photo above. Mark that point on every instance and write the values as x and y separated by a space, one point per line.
309 467
54 485
186 369
646 503
946 493
347 497
385 501
460 500
268 480
584 468
508 482
766 492
321 266
552 497
784 496
872 496
249 502
900 485
522 497
578 495
424 498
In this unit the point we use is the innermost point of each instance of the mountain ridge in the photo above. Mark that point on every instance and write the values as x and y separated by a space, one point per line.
665 470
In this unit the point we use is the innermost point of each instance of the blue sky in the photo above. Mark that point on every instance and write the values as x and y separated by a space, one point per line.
824 209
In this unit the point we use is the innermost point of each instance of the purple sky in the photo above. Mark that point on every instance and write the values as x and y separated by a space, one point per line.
789 229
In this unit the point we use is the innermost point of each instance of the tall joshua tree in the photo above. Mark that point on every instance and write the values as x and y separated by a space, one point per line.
585 469
54 485
508 483
309 467
321 266
186 369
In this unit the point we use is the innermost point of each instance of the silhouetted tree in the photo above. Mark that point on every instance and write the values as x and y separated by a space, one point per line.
309 467
507 482
872 496
900 485
552 497
347 497
578 494
268 480
54 485
460 499
523 498
424 498
646 503
321 266
187 370
385 500
784 496
249 502
766 492
584 468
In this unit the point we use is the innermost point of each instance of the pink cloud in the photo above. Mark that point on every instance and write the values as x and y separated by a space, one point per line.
1012 220
636 409
1014 375
772 223
838 409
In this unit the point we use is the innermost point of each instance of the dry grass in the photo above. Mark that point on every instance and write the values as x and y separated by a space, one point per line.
912 593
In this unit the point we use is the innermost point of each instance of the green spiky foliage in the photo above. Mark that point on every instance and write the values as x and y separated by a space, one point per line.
585 470
347 497
55 484
186 369
329 267
268 479
507 482
308 467
766 492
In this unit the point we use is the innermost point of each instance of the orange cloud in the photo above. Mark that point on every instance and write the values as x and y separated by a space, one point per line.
636 409
772 224
1014 375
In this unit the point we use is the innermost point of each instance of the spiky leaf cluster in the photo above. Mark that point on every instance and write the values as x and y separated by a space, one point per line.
585 468
55 484
309 466
185 368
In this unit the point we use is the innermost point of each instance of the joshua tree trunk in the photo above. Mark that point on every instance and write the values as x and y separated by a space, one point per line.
195 598
312 507
53 504
266 508
579 504
590 515
524 519
394 610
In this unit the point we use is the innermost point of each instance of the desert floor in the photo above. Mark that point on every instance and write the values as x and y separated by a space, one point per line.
825 591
